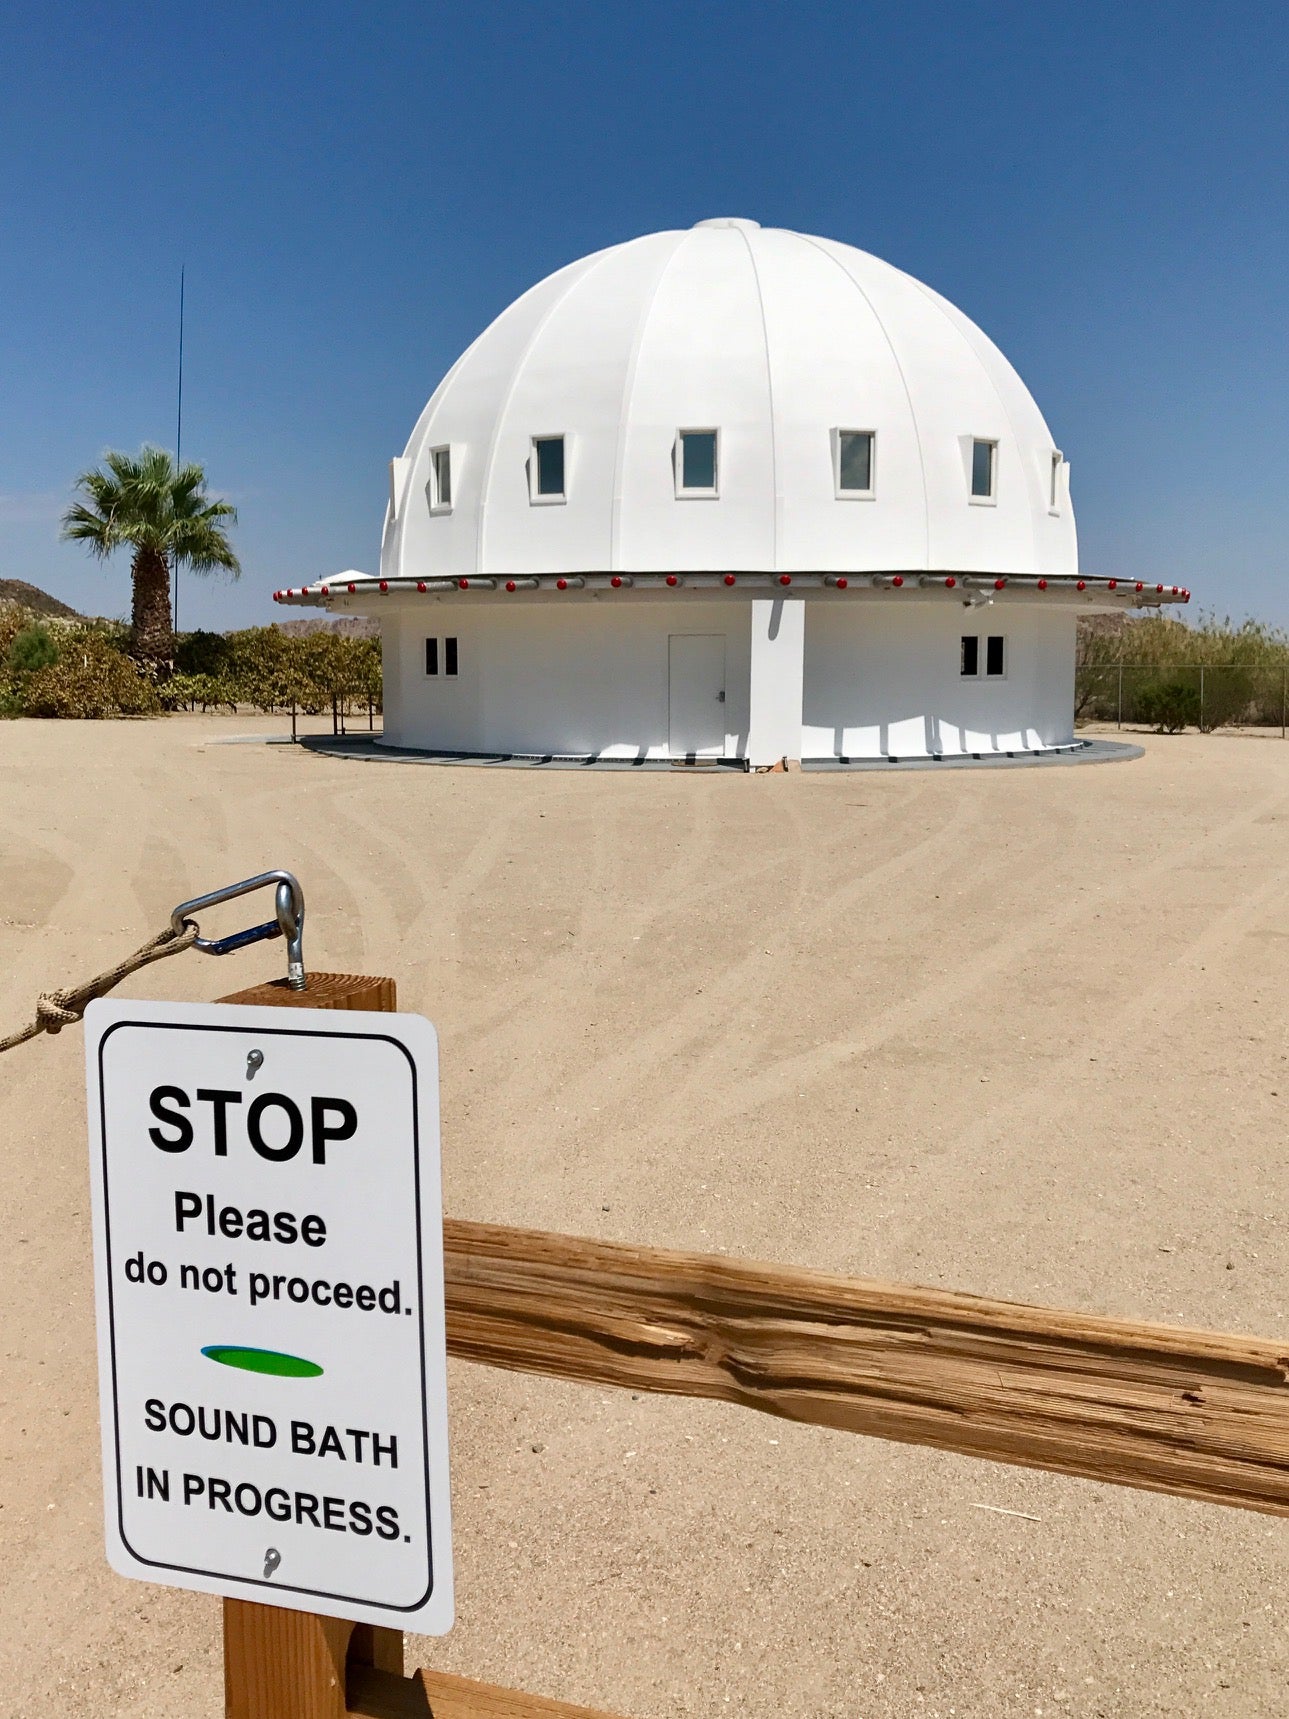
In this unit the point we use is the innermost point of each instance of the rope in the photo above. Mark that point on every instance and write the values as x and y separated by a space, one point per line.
58 1009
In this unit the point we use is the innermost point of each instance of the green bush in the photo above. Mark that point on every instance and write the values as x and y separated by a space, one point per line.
190 691
1169 706
202 653
90 679
33 648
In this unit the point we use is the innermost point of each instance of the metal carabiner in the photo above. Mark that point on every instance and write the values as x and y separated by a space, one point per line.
288 905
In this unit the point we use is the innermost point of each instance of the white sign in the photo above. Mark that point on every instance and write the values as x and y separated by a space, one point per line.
268 1252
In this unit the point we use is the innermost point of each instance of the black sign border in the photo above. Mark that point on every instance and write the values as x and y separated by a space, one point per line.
218 1575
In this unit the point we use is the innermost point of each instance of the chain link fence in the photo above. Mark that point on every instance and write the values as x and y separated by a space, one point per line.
1204 696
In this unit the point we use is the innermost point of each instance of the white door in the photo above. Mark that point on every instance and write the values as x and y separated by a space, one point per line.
696 697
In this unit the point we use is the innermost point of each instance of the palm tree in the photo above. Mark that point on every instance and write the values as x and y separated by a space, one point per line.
163 512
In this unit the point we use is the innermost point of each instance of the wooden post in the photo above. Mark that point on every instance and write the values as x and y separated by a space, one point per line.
281 1664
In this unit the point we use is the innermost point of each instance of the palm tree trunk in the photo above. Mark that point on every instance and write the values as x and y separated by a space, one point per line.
152 636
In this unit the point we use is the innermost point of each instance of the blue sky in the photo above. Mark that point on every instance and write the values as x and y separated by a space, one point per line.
356 190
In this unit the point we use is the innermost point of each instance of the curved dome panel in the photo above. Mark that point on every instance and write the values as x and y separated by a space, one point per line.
776 341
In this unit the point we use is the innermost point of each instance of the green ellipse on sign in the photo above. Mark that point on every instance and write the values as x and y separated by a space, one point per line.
262 1361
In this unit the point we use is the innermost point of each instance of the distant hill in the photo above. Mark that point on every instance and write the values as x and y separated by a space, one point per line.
33 598
348 626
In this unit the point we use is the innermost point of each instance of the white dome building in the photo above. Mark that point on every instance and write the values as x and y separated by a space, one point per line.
731 492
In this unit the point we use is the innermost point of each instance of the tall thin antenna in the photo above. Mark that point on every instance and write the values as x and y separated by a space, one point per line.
179 418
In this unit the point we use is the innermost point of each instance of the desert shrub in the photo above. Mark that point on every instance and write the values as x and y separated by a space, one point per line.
90 679
31 649
198 691
1246 667
1168 705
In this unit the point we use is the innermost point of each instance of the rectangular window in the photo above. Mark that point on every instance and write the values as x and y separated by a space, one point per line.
854 462
441 480
548 468
970 654
1054 496
984 458
697 463
994 660
448 658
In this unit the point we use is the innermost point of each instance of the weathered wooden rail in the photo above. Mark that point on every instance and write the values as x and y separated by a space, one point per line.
1189 1412
1194 1413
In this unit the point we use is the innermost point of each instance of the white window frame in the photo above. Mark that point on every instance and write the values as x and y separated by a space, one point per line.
442 672
982 657
678 463
869 494
1056 482
534 495
990 500
437 505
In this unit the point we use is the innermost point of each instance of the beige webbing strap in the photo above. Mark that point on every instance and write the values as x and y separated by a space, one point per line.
58 1009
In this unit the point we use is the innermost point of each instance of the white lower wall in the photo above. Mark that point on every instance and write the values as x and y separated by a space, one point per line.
882 680
577 676
590 676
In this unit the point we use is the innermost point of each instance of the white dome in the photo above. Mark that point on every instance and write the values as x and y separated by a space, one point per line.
777 341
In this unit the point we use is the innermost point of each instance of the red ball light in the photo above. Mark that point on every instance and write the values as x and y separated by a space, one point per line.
1113 585
350 590
1175 591
785 578
561 584
729 578
510 584
384 584
463 584
1159 589
671 578
420 584
898 579
842 584
1140 586
951 582
999 584
1081 585
615 582
1042 584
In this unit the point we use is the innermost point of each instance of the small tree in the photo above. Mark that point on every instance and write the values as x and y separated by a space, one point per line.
163 513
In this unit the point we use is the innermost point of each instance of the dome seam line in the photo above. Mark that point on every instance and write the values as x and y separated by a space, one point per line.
904 383
624 410
769 389
592 263
933 298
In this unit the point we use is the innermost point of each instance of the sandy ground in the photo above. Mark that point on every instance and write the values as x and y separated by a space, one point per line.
1018 1032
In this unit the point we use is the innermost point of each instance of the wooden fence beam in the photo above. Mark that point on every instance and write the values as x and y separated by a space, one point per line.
1194 1413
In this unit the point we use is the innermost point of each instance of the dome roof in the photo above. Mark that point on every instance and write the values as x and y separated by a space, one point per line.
778 342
